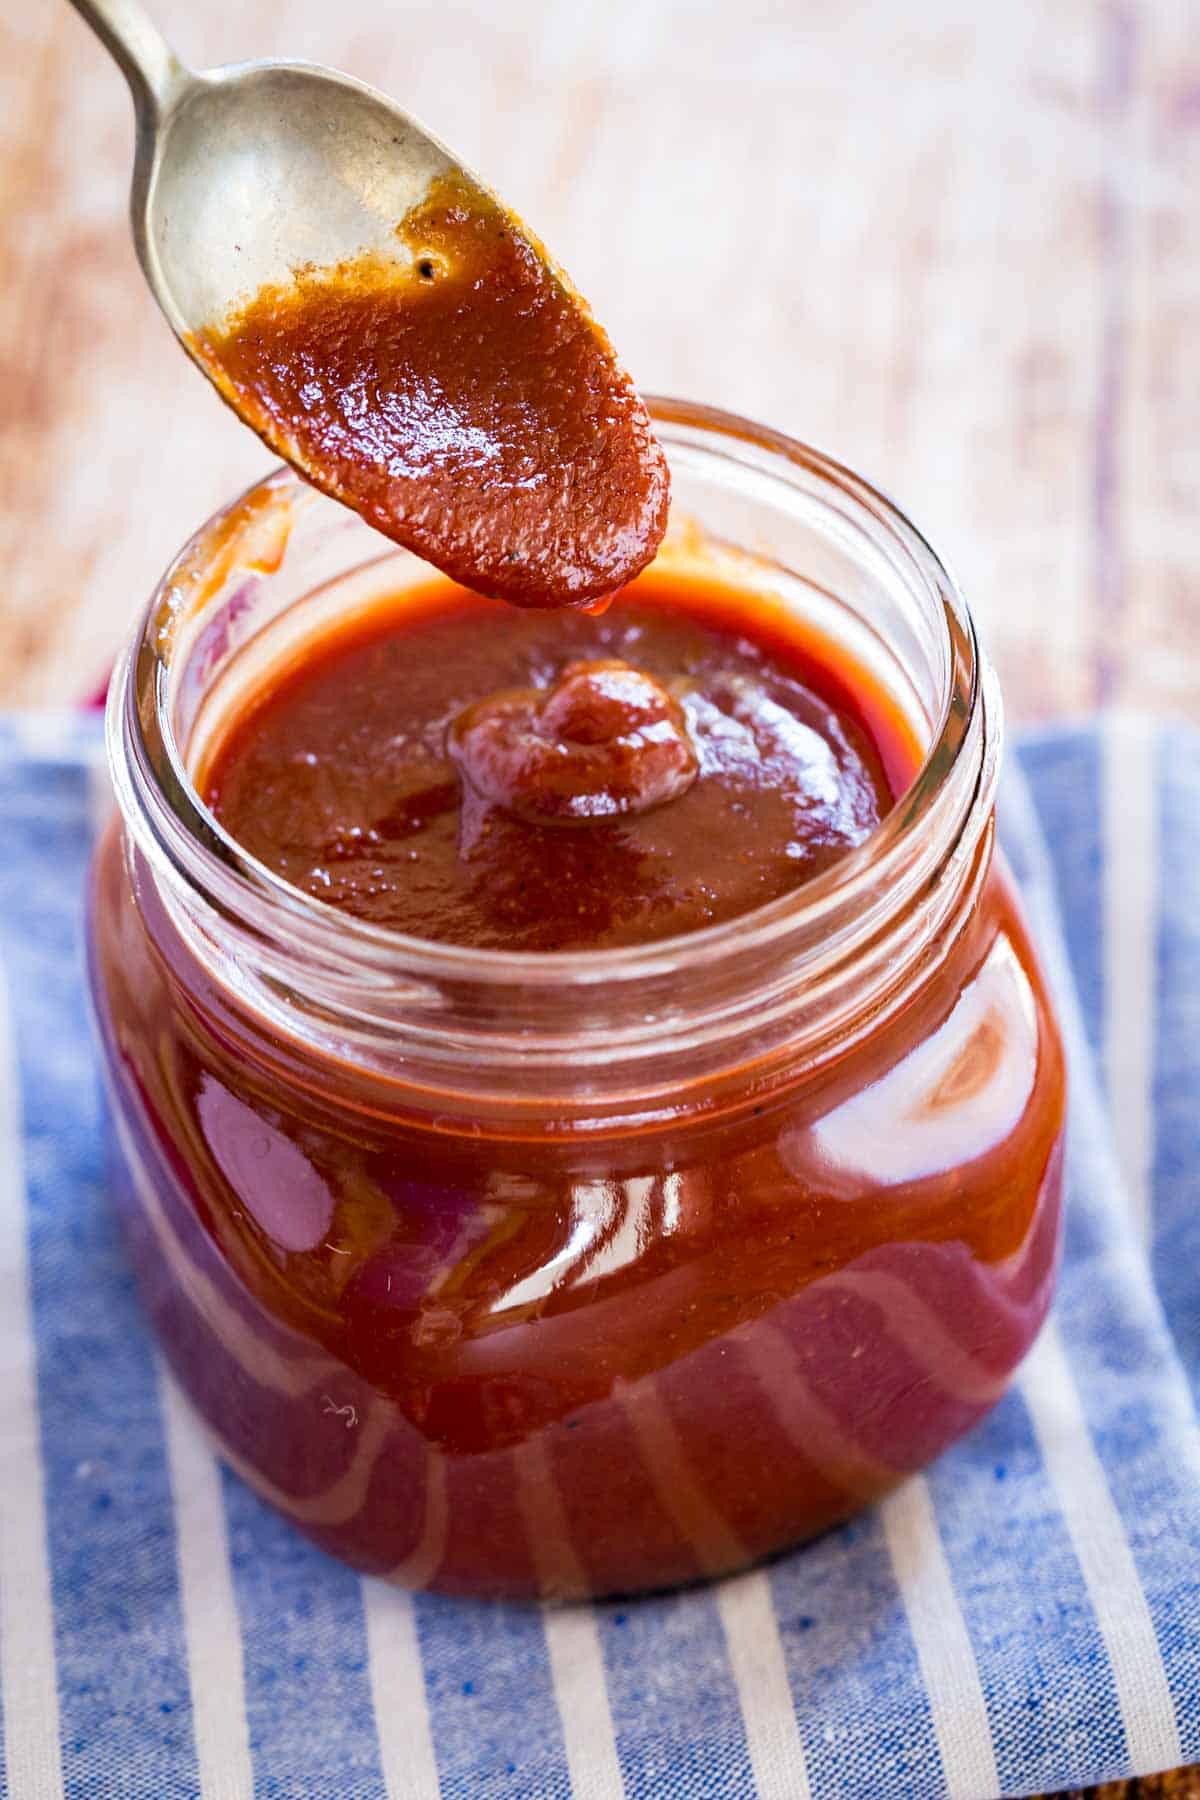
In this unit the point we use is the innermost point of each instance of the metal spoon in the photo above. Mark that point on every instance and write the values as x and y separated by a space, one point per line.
525 467
245 173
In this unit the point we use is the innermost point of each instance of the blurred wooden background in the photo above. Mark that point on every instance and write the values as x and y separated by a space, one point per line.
955 242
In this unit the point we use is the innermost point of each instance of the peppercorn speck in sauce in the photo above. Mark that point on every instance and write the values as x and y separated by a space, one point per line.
463 400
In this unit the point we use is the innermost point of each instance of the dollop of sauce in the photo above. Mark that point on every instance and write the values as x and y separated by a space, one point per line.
463 400
544 782
605 740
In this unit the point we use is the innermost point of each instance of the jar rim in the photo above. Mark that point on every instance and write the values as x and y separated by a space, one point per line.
185 832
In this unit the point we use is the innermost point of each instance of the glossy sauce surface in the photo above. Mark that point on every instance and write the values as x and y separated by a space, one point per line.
466 404
542 782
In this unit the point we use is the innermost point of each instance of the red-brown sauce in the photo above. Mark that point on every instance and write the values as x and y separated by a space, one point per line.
464 402
477 1329
541 782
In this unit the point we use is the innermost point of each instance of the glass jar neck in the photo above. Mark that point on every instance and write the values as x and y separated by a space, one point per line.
626 1032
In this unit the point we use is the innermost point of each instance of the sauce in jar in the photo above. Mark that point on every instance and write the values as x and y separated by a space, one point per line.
548 783
546 1200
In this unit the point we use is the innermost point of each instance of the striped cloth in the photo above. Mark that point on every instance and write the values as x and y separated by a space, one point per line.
1025 1616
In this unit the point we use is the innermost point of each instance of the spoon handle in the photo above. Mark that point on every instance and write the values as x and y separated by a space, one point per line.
143 55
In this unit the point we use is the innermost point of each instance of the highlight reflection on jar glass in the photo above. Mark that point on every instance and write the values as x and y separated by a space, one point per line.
527 1272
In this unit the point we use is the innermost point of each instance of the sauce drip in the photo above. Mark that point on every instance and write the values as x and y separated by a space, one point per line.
463 401
514 782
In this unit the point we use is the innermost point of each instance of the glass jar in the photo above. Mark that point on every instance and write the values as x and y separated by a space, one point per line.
580 1274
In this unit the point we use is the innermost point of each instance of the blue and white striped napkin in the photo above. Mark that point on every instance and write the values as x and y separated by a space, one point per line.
1025 1616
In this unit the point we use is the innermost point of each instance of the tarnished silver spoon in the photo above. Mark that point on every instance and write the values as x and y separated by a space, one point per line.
510 448
244 173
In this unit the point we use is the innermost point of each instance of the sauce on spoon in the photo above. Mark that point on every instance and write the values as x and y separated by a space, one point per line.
462 400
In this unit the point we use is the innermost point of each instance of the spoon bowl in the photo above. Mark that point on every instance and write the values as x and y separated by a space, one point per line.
380 319
263 168
246 173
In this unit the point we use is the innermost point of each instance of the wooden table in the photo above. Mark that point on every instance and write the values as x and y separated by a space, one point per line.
955 242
